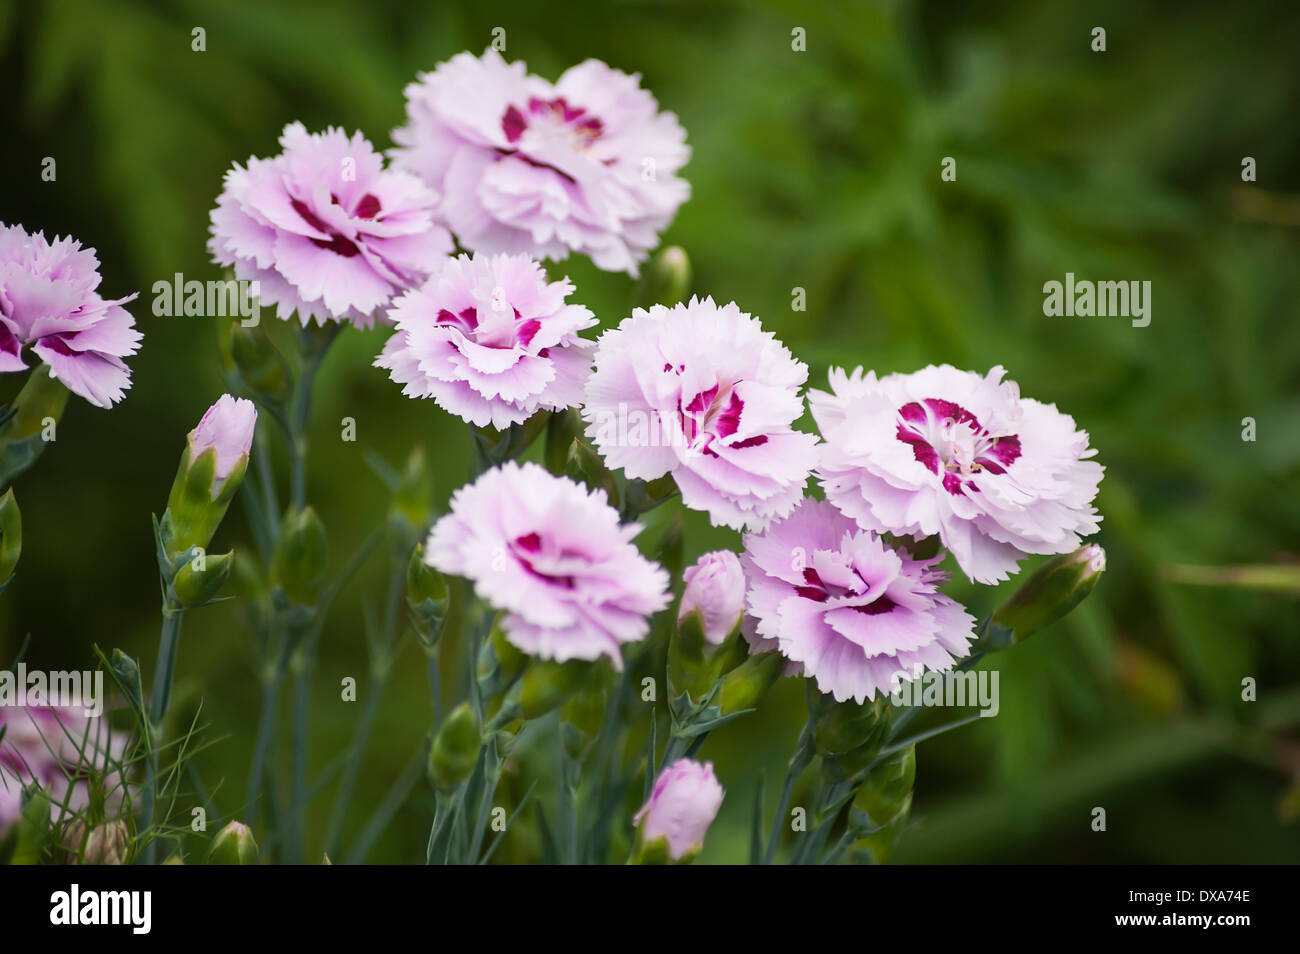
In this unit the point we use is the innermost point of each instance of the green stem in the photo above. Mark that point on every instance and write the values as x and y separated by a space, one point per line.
164 675
359 738
265 725
298 777
803 752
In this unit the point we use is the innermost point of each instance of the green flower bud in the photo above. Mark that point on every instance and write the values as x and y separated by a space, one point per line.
667 278
846 726
848 736
11 536
1051 591
261 366
744 686
28 427
455 748
547 684
885 793
426 597
298 563
877 848
234 845
201 579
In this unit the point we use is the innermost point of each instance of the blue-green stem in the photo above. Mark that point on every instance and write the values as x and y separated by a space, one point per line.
164 675
803 752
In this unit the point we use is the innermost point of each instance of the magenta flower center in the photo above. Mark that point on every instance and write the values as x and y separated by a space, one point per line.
819 591
552 119
951 442
367 208
503 328
712 415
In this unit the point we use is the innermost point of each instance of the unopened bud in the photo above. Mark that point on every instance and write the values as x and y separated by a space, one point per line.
885 793
455 748
234 845
298 564
1051 591
194 586
667 278
211 468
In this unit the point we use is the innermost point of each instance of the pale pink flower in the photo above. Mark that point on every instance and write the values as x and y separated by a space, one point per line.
49 300
858 616
682 805
554 557
714 588
325 229
490 340
960 455
702 392
228 427
587 164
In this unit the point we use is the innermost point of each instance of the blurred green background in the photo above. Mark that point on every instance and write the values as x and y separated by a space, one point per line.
817 170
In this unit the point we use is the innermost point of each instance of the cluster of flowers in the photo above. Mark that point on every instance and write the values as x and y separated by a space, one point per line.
497 170
521 170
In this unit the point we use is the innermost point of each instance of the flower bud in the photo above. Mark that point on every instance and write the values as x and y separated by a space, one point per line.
715 589
39 404
261 366
455 748
1051 591
215 458
667 278
234 845
298 563
744 686
11 537
849 736
885 793
227 430
547 684
682 805
426 597
107 844
202 578
876 848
